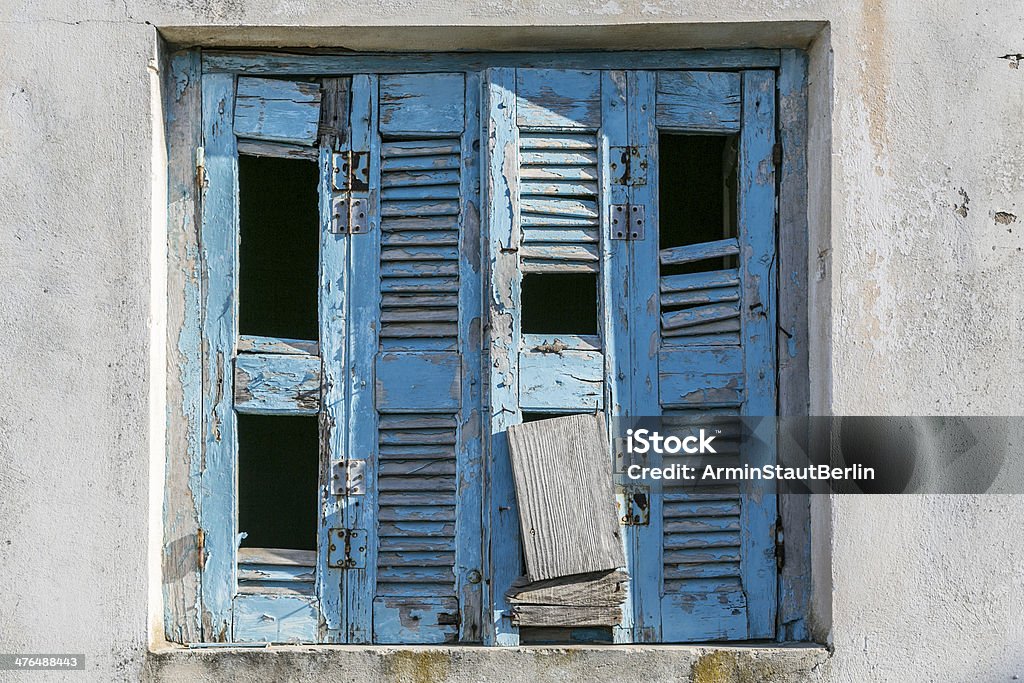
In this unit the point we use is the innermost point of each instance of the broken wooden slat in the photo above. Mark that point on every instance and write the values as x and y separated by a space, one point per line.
419 238
556 343
413 285
567 513
688 317
690 281
701 296
420 253
419 192
277 110
565 615
554 234
277 556
556 172
389 300
699 252
560 187
248 343
560 252
416 148
606 588
550 140
390 269
420 207
701 376
566 207
281 150
334 106
546 266
434 315
437 162
713 328
550 159
420 178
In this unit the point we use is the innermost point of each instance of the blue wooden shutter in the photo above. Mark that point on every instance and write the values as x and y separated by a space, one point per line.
704 568
547 174
414 321
249 594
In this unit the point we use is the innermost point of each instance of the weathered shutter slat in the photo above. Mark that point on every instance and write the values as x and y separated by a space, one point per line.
558 190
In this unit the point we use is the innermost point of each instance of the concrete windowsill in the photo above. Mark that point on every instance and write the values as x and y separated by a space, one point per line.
537 664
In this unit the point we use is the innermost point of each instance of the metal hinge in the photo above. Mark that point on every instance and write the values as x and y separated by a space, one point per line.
200 167
634 503
348 478
346 548
628 165
350 178
780 548
628 221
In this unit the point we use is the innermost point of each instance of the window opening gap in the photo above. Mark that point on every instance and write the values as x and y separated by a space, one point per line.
559 303
278 464
279 226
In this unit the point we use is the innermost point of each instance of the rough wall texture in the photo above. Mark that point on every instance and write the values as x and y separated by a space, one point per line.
920 273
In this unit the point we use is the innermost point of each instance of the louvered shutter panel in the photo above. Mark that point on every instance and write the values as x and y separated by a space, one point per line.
558 201
705 566
415 311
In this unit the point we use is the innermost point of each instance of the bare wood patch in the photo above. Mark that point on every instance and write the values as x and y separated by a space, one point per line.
567 513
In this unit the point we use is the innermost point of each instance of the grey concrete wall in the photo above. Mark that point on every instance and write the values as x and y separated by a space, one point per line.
917 166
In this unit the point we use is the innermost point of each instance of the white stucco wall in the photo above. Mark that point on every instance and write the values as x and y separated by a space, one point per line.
916 306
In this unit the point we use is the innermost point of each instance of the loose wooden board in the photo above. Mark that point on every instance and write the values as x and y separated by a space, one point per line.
563 480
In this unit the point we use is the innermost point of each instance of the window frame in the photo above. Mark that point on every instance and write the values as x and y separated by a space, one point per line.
183 537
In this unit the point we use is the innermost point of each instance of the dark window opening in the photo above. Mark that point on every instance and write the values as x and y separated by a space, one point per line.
697 195
559 303
278 463
533 417
279 225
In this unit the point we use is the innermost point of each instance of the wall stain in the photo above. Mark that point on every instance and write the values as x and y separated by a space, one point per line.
875 79
963 207
1005 218
414 666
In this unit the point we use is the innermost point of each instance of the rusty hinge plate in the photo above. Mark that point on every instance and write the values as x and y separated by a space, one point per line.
346 548
628 165
350 178
350 171
634 504
628 221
